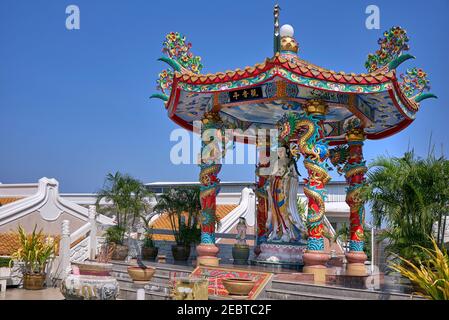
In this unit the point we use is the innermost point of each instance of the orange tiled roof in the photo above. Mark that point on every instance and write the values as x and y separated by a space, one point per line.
163 222
7 200
9 243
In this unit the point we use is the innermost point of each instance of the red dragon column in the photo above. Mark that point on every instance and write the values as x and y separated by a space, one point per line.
355 170
261 192
211 154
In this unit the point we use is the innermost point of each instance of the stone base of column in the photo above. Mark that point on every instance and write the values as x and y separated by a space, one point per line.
207 255
315 263
356 263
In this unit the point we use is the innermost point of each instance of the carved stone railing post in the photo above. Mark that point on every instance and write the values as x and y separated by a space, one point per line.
64 250
93 232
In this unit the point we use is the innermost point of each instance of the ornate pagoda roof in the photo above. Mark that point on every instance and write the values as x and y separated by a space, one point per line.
289 63
258 96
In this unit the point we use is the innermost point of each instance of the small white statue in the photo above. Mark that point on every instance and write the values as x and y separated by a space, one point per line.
241 231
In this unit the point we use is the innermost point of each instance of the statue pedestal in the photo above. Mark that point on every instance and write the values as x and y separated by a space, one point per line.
286 255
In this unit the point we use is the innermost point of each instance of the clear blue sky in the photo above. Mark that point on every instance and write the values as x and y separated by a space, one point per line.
74 104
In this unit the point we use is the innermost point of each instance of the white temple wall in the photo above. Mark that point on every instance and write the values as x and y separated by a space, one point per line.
48 227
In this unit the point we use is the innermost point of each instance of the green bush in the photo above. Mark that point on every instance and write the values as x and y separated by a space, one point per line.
4 262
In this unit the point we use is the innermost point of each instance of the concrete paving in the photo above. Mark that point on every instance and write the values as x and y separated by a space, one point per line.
22 294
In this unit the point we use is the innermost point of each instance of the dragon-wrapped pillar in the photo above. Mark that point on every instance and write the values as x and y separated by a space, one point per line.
308 132
354 171
261 192
315 151
210 165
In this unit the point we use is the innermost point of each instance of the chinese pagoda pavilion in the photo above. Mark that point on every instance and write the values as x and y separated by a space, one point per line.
318 114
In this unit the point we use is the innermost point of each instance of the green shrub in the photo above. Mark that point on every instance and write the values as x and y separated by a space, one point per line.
4 262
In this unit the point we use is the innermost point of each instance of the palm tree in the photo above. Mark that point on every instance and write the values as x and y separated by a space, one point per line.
128 199
169 203
344 232
183 206
410 196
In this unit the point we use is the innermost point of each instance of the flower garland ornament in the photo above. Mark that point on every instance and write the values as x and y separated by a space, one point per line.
392 45
414 82
177 48
390 55
179 58
415 85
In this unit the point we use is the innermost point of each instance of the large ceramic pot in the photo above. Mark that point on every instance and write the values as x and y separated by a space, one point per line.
180 252
137 273
149 253
79 287
238 286
240 254
92 268
33 281
120 252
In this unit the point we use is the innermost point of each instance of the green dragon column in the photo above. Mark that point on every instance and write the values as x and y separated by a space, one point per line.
210 165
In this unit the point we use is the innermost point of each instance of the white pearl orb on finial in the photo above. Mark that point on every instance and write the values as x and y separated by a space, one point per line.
287 31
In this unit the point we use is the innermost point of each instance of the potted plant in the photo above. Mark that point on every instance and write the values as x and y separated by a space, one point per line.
240 250
182 206
126 198
149 249
185 236
98 267
5 270
34 253
115 238
141 273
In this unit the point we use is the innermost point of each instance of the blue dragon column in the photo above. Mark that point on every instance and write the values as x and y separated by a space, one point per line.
355 170
210 165
315 151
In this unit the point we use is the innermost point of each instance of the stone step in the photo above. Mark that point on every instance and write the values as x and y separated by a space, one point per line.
128 283
153 282
333 291
131 294
163 269
276 294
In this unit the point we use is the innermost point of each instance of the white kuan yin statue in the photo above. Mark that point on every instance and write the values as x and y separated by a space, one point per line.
284 222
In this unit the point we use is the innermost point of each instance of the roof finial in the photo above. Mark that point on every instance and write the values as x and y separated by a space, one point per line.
288 42
277 38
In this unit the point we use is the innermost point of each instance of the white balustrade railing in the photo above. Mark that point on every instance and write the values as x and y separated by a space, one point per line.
80 252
